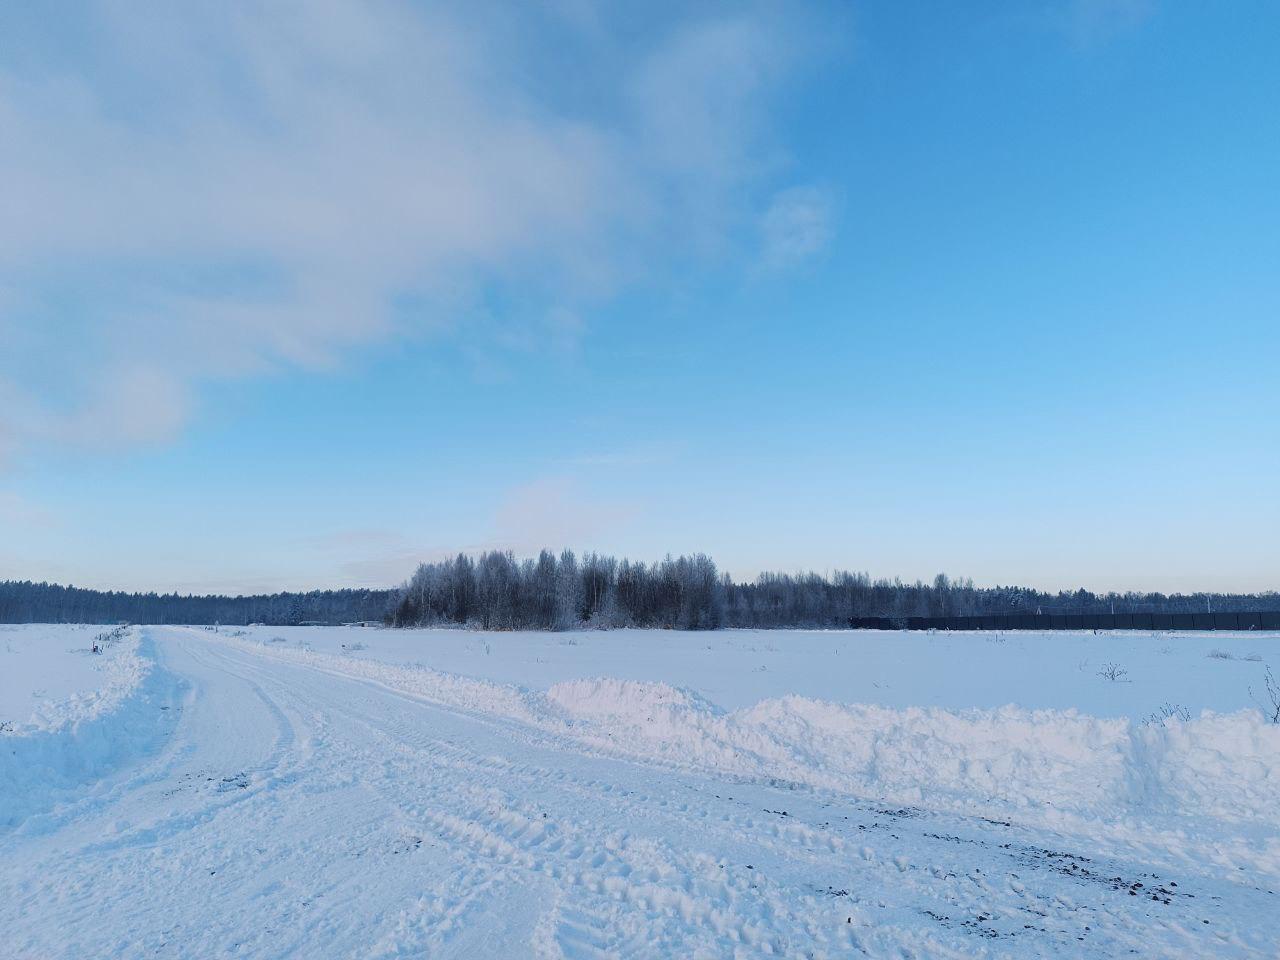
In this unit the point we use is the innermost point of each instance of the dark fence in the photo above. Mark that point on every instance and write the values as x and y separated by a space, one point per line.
1083 621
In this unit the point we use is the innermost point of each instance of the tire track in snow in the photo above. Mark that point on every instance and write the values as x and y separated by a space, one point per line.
388 826
493 837
500 828
280 768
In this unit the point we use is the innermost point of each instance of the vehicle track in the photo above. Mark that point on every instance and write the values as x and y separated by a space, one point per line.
300 812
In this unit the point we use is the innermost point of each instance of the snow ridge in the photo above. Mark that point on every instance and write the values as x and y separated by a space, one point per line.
77 740
1056 762
1047 767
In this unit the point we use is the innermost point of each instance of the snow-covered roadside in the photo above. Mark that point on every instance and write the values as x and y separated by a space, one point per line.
1052 768
73 741
43 665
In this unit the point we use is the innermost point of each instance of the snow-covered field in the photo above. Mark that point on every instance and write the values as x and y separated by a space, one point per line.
47 671
291 792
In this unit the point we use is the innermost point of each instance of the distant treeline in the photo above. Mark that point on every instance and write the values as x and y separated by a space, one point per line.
26 602
498 592
495 591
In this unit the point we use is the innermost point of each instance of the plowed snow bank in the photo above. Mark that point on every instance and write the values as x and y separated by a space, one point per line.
1040 765
74 741
1220 766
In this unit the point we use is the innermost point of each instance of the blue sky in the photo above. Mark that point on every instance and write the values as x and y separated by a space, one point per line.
296 295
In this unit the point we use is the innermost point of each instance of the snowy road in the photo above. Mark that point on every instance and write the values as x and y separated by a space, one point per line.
294 811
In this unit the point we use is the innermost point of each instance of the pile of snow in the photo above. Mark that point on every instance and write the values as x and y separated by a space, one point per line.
1053 767
1225 767
69 742
1016 760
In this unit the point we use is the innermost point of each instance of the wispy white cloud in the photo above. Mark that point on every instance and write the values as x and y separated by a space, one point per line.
1089 22
219 190
797 226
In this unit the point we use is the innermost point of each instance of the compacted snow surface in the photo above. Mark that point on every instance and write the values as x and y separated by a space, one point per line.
315 792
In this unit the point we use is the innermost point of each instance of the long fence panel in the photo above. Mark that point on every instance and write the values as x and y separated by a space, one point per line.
1258 620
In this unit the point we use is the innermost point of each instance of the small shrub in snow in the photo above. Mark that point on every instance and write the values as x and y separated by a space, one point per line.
105 641
1269 701
1228 655
1113 672
1169 711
